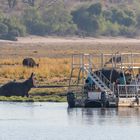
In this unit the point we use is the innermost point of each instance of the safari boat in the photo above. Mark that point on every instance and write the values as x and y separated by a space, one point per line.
104 80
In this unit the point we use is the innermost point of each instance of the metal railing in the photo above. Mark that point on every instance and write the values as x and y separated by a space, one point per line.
128 91
81 60
116 60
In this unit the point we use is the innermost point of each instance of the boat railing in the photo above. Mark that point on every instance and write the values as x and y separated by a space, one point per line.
128 91
116 60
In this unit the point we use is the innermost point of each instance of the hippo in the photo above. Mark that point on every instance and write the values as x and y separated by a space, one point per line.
114 59
17 88
111 74
29 62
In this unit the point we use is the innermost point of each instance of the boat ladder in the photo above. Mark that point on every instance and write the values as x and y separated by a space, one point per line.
98 82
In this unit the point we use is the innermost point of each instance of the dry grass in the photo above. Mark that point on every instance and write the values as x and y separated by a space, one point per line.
54 58
54 55
51 71
48 68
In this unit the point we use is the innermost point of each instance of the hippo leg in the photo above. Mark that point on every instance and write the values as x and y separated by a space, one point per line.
27 95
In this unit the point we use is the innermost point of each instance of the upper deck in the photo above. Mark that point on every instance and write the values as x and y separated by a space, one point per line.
99 61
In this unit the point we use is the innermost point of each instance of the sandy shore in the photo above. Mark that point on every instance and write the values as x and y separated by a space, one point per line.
39 39
63 47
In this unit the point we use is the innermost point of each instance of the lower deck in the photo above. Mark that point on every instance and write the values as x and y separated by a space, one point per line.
101 100
128 102
122 102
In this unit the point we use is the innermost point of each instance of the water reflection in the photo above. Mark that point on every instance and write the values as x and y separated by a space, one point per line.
102 116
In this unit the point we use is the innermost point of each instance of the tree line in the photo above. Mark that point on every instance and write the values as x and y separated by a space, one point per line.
86 20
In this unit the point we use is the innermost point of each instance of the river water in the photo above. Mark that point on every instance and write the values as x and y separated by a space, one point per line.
54 121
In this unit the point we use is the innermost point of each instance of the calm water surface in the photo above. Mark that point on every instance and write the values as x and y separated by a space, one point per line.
54 121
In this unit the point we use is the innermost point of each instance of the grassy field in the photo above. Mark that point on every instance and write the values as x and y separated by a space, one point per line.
54 58
50 72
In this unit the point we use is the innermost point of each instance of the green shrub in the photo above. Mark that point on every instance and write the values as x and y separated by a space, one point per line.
3 29
59 20
39 28
31 17
88 20
111 29
95 9
15 24
14 33
129 32
86 23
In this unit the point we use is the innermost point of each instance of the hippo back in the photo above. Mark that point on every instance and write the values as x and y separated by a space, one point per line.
29 62
111 74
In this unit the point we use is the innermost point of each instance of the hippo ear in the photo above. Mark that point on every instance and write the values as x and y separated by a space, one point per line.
32 74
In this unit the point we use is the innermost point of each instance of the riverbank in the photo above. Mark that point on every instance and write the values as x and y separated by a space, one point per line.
48 98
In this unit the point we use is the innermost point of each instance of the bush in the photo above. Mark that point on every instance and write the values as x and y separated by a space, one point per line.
59 20
129 32
15 24
3 29
126 18
111 29
1 16
95 9
32 19
10 28
85 22
14 33
39 28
